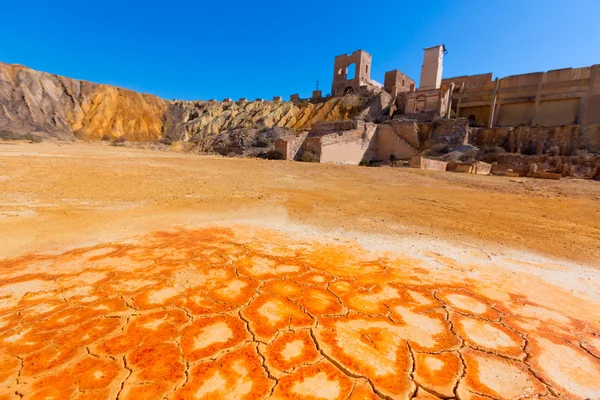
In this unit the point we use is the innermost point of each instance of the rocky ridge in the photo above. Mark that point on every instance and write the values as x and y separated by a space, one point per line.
58 107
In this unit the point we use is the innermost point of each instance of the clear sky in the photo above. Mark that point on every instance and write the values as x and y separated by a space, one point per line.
217 49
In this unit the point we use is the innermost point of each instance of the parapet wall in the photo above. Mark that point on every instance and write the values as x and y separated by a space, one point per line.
468 80
567 96
322 128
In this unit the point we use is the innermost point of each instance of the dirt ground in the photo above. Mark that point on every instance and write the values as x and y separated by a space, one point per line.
137 274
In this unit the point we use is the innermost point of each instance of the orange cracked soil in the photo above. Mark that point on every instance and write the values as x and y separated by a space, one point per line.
247 313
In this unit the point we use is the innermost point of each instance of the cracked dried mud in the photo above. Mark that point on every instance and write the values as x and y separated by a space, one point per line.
202 305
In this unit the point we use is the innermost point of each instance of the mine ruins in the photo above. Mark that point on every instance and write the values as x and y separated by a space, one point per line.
158 249
553 116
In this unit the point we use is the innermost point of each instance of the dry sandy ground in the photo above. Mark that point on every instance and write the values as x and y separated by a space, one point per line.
135 274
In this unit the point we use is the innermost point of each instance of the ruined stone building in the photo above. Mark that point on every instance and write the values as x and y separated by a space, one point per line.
527 113
360 82
553 98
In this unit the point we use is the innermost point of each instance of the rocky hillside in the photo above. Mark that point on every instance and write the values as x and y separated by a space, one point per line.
55 106
33 101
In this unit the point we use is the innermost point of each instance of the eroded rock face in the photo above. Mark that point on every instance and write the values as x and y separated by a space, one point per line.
34 101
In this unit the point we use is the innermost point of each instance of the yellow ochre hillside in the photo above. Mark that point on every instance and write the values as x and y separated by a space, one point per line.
34 101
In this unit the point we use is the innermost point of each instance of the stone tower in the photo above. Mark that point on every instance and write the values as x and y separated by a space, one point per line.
431 71
341 85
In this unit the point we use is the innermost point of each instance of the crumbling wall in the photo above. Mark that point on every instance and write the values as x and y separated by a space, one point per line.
341 84
349 147
324 128
583 165
342 142
397 140
376 107
530 140
289 146
488 137
396 82
450 131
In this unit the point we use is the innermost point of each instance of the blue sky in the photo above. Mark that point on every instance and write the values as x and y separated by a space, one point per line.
205 50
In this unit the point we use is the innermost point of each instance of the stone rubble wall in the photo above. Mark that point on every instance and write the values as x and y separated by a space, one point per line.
566 140
289 147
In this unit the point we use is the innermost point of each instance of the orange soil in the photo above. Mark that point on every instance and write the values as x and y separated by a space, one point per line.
51 195
239 310
323 320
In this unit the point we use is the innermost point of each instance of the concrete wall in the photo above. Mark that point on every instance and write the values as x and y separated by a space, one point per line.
350 143
553 98
591 112
481 113
397 138
558 112
516 114
347 148
364 141
467 80
425 163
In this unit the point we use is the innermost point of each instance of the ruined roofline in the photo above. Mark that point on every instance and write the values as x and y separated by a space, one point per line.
588 67
433 47
491 74
350 54
396 69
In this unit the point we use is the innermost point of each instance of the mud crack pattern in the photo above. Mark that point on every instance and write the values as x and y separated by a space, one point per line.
244 313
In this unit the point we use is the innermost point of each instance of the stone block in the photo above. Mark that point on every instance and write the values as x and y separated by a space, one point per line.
464 168
501 169
546 175
511 174
482 168
479 168
425 163
451 167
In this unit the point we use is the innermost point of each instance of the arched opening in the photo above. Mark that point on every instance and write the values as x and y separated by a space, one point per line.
420 104
348 90
350 72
